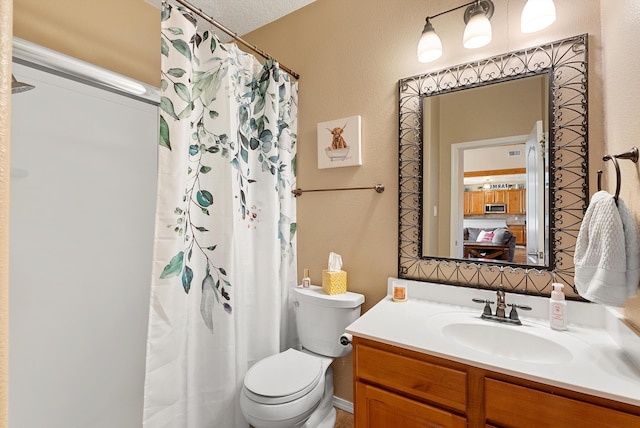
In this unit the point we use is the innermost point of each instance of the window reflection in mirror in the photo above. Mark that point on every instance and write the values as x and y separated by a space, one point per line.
486 173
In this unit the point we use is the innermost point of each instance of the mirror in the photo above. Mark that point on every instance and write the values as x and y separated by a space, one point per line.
493 169
488 174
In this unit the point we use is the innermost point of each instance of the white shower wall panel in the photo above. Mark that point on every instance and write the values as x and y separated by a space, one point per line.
83 189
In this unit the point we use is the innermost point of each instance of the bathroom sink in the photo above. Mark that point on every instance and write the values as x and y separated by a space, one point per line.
508 342
532 343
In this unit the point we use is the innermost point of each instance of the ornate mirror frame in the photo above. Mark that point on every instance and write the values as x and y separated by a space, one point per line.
565 61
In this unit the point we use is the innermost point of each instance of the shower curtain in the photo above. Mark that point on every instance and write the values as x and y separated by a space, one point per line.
225 252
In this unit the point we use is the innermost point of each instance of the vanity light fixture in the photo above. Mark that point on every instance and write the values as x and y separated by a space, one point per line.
429 46
477 32
537 14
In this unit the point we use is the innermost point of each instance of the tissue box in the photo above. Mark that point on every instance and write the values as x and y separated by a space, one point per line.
334 282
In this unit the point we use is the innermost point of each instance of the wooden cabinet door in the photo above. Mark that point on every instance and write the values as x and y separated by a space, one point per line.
477 201
423 380
520 232
377 408
516 201
513 202
495 196
520 407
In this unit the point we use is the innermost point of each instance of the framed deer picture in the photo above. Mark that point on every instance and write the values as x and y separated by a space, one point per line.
339 143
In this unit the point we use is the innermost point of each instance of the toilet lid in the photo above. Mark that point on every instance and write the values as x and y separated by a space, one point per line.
283 377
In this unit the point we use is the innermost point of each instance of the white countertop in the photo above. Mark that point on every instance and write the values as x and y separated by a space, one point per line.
603 347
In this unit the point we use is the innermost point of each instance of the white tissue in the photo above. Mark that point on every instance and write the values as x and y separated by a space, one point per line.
335 262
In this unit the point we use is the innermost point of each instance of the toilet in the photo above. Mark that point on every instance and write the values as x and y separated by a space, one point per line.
295 388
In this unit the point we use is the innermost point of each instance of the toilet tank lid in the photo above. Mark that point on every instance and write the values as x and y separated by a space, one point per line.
315 295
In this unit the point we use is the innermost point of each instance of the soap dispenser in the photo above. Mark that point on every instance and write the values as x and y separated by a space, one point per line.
557 308
306 280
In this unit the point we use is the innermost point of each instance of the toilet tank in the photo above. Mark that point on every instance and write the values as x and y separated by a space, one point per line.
322 318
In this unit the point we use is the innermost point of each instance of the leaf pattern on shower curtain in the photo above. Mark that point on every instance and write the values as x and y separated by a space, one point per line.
201 67
225 232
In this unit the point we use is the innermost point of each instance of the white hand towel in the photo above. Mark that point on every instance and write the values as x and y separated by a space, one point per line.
607 265
632 247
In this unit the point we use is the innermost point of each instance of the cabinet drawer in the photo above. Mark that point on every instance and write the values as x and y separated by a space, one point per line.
420 379
377 408
509 405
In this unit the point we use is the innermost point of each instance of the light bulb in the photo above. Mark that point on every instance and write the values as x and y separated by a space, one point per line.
537 14
477 33
430 45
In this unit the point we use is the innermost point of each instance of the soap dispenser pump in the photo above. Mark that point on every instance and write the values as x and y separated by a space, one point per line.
557 308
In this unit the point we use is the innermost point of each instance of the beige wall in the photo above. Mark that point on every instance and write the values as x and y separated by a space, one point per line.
351 55
119 35
620 36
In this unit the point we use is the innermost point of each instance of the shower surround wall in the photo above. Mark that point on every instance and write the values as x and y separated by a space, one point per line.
83 190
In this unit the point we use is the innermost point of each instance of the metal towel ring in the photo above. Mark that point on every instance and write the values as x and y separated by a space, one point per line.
631 155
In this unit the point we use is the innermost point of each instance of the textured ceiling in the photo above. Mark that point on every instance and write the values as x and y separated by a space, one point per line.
244 16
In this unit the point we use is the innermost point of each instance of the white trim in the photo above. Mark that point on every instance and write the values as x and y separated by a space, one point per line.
342 404
36 56
457 184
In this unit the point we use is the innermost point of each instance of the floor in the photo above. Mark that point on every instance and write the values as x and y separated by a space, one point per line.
520 255
344 419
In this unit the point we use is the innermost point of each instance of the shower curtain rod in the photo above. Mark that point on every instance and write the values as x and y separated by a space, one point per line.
235 36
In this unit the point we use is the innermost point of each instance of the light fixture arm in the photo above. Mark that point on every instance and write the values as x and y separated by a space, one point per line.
460 7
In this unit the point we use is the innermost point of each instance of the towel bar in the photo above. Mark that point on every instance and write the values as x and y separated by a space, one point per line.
378 188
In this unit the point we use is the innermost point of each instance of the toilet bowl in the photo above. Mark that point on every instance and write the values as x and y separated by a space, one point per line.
295 388
286 389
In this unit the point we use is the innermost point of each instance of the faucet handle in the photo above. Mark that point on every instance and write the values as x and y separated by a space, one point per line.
514 313
487 306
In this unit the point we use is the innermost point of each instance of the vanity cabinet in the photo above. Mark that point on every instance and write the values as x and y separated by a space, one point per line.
510 405
393 389
383 409
396 387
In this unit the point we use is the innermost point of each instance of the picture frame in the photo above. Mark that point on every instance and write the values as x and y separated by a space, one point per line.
339 143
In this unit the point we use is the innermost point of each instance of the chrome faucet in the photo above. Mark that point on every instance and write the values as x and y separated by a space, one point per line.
500 313
501 307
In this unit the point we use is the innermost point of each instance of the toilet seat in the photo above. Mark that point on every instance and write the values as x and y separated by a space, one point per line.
283 377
